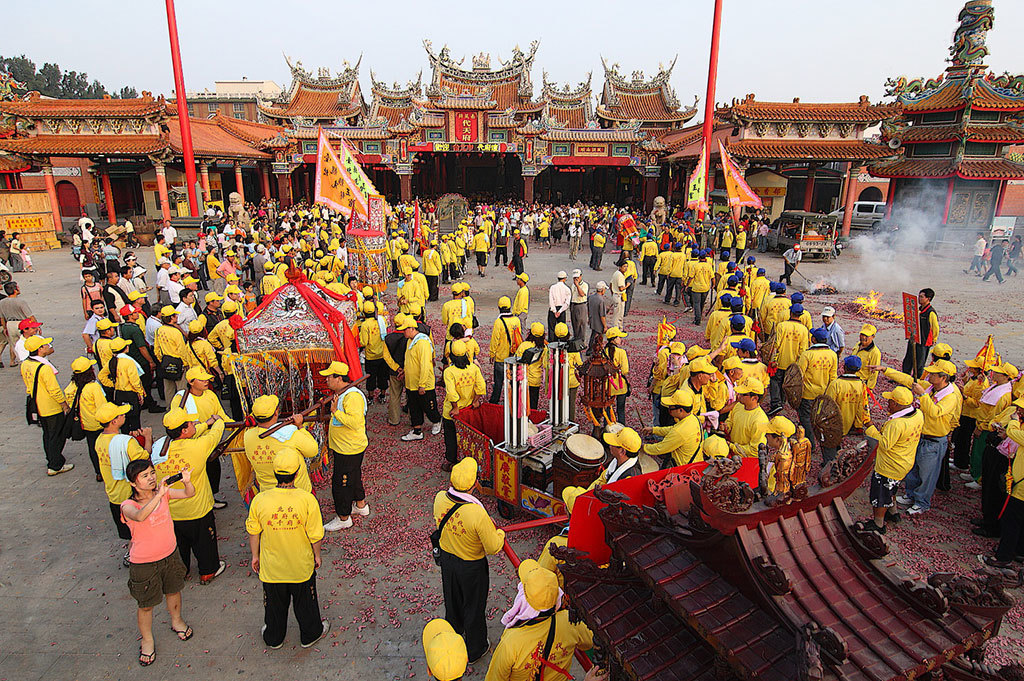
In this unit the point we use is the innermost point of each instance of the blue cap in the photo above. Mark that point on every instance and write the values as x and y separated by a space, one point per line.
819 333
694 253
796 308
730 267
678 244
732 280
760 271
705 252
773 286
852 363
751 260
726 299
746 345
737 304
797 297
725 251
782 287
737 321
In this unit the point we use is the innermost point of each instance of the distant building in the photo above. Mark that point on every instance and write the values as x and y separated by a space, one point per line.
232 99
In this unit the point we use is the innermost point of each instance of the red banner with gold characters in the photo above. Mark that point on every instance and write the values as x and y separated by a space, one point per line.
465 126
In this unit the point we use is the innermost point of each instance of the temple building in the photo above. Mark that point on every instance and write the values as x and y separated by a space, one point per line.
952 140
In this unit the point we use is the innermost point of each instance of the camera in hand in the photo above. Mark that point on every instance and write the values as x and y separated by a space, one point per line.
174 478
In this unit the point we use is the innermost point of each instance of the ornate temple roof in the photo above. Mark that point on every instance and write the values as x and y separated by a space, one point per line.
650 100
13 164
807 150
393 103
862 111
322 97
84 145
213 138
508 85
35 106
966 168
567 107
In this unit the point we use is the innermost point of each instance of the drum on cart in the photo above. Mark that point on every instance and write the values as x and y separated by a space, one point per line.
579 464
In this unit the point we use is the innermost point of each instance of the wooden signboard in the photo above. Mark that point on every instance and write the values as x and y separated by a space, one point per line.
28 213
911 318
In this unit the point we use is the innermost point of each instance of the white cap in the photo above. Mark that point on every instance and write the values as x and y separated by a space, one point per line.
577 273
562 274
601 286
828 312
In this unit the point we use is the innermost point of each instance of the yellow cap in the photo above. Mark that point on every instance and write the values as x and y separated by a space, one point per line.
463 475
230 307
536 329
941 366
119 344
569 496
81 364
168 311
627 438
750 386
264 406
232 289
369 307
524 277
193 280
198 374
615 332
108 411
335 369
228 254
104 324
733 362
287 461
714 447
900 395
973 363
942 351
1005 368
415 309
367 292
268 266
504 301
445 651
212 296
561 330
868 330
309 262
540 586
701 366
407 323
176 418
676 348
680 398
458 348
696 351
196 325
779 425
35 342
135 295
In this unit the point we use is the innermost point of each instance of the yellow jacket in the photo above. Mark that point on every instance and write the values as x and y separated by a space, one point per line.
521 302
1016 433
452 313
462 387
942 416
200 353
261 452
870 356
897 445
169 341
410 295
431 262
118 490
347 431
268 284
851 396
221 334
703 273
103 354
501 337
92 398
513 658
469 534
658 370
619 384
818 366
745 430
370 340
289 522
481 244
191 453
681 440
50 399
971 392
754 368
675 263
419 364
791 339
127 379
535 371
776 311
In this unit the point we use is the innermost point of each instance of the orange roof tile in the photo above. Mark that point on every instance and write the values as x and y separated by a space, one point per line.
504 93
951 96
13 164
592 135
862 111
807 149
948 133
309 102
85 145
212 141
392 114
645 106
968 168
248 131
569 116
478 102
38 107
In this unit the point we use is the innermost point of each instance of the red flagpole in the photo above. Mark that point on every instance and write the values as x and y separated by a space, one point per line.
183 120
709 97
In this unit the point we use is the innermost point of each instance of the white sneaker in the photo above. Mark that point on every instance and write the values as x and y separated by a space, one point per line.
435 429
412 435
263 630
967 477
973 485
916 509
904 500
338 524
327 628
365 510
64 469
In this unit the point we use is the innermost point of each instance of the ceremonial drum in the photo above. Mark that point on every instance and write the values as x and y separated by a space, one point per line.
579 464
368 261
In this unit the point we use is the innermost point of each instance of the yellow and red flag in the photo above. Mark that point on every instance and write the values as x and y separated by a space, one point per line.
666 331
335 185
740 193
696 195
987 356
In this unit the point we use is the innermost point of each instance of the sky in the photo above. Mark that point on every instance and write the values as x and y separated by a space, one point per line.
817 50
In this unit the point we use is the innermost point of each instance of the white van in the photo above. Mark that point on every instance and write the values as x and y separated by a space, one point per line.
866 214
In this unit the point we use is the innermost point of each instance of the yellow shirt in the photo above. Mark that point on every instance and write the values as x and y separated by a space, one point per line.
851 396
649 249
1016 433
92 398
347 431
370 340
971 392
169 341
469 534
50 399
461 386
534 371
521 302
776 311
103 352
939 418
675 264
599 241
575 362
220 335
897 445
269 284
431 262
681 440
658 370
410 295
159 251
745 432
289 523
702 275
619 385
198 353
791 339
502 335
513 658
818 366
481 243
193 454
117 490
452 313
870 356
261 452
127 379
753 368
211 266
419 364
201 406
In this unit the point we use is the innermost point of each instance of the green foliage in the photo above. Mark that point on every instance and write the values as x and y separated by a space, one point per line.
52 81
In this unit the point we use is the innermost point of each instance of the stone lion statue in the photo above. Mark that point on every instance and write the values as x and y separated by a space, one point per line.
659 214
237 211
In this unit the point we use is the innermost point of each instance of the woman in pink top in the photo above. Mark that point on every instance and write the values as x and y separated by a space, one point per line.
156 569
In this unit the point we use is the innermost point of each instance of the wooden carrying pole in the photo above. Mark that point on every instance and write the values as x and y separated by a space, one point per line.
284 422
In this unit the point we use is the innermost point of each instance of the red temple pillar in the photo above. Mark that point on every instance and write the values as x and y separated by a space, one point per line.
51 191
949 200
108 198
284 190
528 188
238 181
204 180
809 189
307 178
890 198
161 187
265 181
999 201
650 191
851 192
405 190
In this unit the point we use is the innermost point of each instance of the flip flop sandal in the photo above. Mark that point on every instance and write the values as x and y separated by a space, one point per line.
184 634
146 659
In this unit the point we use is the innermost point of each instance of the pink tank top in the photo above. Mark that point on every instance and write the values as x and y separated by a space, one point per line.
153 538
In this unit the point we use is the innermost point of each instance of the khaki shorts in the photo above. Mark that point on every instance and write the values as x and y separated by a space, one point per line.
148 583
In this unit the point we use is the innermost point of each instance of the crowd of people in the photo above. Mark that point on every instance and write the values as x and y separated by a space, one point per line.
164 342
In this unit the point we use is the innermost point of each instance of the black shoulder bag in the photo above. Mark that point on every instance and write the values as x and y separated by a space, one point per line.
547 647
73 420
172 368
435 536
31 410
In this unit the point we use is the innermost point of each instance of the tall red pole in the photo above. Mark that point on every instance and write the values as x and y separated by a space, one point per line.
183 120
709 97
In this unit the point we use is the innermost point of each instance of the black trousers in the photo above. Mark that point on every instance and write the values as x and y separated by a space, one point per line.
53 440
554 319
302 597
915 358
90 441
648 269
420 405
993 482
501 254
199 538
534 396
213 473
451 442
661 283
347 481
432 286
465 584
498 384
962 439
775 389
234 399
1011 533
804 413
517 264
787 275
697 300
133 419
379 374
674 286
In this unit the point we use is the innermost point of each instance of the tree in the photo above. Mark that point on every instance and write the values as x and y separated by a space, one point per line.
52 81
49 80
127 93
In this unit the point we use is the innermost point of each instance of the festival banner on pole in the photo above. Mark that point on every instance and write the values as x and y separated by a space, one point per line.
696 195
740 193
335 186
355 170
987 357
417 225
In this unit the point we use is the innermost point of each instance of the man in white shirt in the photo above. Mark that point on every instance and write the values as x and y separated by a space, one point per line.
791 260
27 328
979 254
578 305
559 297
618 294
170 234
174 285
163 278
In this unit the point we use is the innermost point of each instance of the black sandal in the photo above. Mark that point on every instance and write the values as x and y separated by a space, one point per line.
146 659
184 634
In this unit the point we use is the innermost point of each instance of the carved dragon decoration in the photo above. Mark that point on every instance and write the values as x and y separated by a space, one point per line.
976 19
724 491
